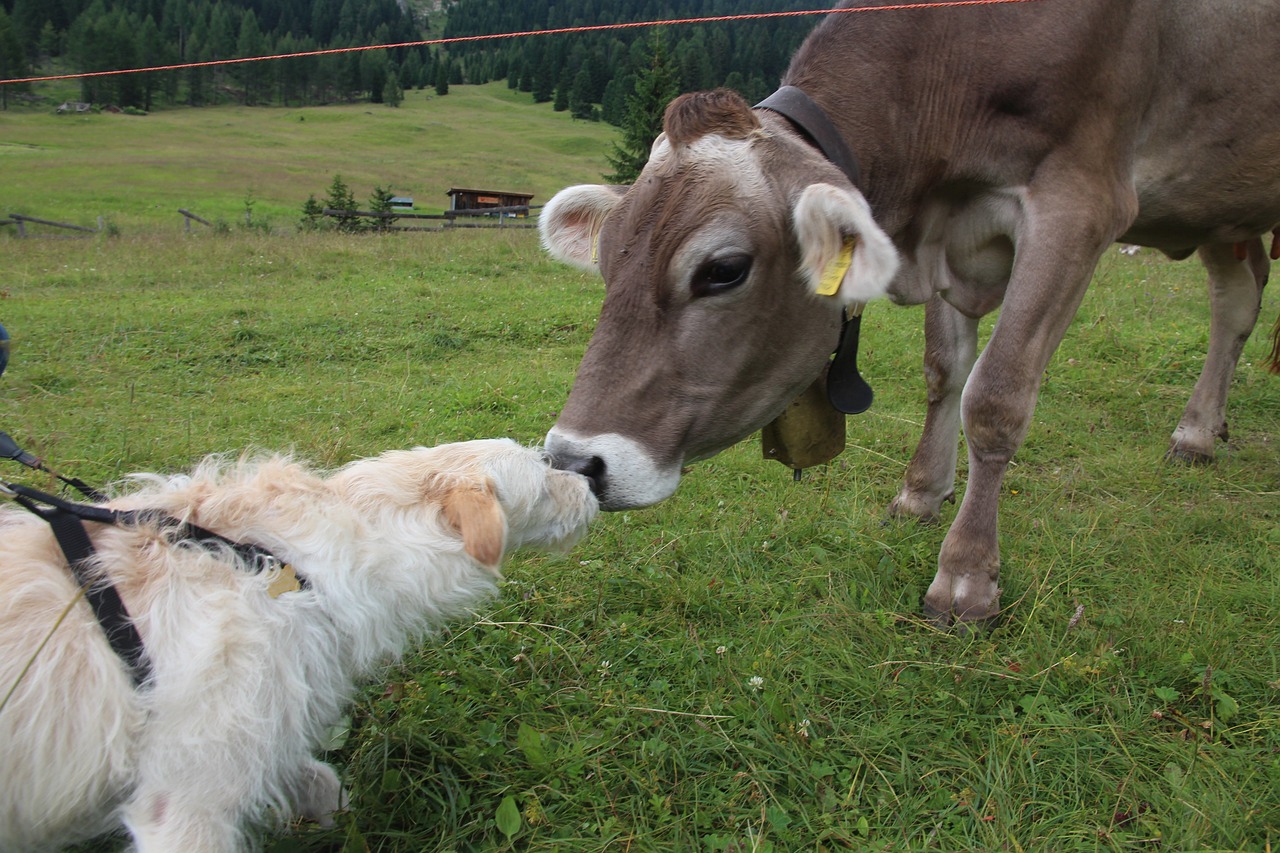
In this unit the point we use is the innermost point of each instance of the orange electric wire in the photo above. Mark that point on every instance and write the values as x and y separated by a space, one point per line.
896 7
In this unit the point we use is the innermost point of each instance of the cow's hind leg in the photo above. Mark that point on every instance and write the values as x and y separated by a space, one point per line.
1235 297
950 345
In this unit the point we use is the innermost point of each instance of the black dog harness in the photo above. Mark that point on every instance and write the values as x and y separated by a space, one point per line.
66 519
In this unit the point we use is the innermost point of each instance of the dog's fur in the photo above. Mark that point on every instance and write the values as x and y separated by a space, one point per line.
243 685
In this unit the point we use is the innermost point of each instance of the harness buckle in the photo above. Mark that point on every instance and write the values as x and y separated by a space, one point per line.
286 581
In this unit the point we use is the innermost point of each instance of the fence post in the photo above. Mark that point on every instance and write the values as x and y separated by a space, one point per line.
187 216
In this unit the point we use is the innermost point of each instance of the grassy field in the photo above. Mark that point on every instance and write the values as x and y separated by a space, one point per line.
742 668
136 171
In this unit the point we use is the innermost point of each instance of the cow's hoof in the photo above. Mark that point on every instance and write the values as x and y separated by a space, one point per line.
908 506
1192 445
962 625
1189 456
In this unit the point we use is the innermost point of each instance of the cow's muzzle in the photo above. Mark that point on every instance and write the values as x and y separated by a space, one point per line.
622 473
591 467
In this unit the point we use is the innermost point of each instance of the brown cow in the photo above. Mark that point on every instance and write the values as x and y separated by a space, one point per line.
1001 149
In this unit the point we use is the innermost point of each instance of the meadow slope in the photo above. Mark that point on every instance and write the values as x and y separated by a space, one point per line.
136 171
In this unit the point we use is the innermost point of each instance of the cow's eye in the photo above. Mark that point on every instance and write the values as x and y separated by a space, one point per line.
721 274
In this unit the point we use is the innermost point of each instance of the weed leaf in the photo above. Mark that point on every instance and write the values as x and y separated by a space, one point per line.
529 740
508 817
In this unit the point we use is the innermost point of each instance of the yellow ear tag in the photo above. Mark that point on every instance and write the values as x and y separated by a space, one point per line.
595 246
829 284
286 581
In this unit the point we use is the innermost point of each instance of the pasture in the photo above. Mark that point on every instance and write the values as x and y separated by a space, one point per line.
742 668
136 171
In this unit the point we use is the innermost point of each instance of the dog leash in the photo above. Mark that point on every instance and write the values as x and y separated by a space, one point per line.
9 449
254 555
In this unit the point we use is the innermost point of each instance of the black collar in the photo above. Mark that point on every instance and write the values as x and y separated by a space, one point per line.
815 126
847 391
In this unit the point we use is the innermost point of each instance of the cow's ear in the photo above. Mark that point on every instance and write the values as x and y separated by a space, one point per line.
843 252
570 223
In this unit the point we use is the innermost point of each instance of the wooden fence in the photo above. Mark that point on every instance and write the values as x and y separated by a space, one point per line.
21 221
519 216
187 216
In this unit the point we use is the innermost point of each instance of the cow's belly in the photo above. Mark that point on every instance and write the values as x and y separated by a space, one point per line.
1220 192
1178 219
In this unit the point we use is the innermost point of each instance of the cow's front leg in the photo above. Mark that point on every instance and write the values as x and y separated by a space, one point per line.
1235 298
950 345
1055 259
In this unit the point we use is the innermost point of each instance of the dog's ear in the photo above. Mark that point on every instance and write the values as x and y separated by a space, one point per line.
474 511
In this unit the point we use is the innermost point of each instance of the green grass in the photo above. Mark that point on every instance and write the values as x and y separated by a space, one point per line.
606 701
136 171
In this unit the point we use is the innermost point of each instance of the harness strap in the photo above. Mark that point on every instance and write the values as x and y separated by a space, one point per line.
66 519
102 596
259 558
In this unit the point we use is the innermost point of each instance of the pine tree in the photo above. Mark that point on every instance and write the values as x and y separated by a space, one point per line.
655 86
152 51
340 198
411 70
544 77
312 215
380 202
613 104
442 77
13 63
50 41
373 73
28 18
251 42
561 103
580 95
392 92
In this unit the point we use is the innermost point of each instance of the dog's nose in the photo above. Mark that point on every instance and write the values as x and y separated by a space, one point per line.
591 467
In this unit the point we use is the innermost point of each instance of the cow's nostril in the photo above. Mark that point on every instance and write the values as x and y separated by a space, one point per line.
591 467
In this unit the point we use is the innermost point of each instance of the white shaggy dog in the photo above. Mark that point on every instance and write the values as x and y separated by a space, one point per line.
243 685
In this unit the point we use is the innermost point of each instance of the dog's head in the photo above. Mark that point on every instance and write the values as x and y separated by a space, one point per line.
495 494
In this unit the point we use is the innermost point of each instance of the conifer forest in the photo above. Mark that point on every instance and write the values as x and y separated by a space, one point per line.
591 74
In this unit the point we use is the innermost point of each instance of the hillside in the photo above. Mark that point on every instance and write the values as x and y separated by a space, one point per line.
589 74
136 171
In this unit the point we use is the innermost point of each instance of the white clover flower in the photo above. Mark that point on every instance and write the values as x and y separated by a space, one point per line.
720 650
756 683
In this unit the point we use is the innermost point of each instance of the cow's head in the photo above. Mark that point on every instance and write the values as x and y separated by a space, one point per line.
712 319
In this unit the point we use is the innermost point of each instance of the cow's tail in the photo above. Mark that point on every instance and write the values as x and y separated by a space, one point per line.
1273 360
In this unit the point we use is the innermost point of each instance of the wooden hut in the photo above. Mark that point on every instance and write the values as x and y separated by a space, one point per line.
463 199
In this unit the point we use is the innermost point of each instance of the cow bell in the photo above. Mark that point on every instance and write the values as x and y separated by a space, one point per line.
810 431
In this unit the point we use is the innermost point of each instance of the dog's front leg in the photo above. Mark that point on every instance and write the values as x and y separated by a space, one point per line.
164 822
318 793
